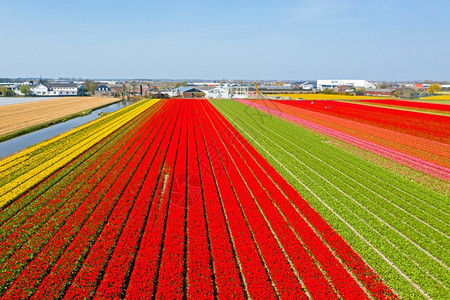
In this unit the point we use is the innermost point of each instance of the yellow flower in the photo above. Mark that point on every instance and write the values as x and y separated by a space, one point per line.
42 165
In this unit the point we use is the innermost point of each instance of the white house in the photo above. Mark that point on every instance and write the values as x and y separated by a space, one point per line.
351 83
40 90
54 89
103 90
64 89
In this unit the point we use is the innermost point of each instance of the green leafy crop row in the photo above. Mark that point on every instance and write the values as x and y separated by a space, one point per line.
398 226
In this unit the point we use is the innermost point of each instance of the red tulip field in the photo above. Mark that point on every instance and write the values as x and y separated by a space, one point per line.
221 199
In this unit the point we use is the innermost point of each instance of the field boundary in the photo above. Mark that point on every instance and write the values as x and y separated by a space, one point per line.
32 128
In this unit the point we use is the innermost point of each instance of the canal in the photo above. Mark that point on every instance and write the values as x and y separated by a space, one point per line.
24 141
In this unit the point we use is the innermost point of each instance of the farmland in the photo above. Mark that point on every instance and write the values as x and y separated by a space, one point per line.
308 96
388 133
443 97
190 198
436 108
392 223
20 116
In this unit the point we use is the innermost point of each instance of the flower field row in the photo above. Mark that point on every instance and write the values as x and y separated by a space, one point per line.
410 161
67 174
411 104
56 142
40 166
427 126
435 153
280 204
173 203
307 96
399 227
34 226
437 97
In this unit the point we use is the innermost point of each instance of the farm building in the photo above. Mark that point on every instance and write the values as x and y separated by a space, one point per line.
116 89
307 85
228 91
187 92
379 92
205 89
103 90
333 83
219 93
140 89
54 89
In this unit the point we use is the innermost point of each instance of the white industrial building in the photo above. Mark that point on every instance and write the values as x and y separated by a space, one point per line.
228 91
333 83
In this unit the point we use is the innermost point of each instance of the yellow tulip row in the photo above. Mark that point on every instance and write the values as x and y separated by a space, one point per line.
19 185
25 159
10 164
9 161
438 97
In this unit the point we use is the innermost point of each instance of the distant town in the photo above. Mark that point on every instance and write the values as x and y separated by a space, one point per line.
215 89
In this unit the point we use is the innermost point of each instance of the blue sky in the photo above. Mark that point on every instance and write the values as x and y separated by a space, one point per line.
265 39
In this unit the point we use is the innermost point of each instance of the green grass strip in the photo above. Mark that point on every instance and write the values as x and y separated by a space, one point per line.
16 133
398 226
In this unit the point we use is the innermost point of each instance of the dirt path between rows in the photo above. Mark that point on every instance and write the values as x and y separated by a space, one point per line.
20 116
